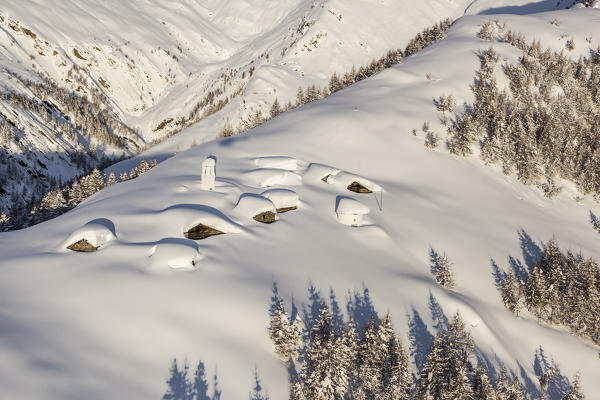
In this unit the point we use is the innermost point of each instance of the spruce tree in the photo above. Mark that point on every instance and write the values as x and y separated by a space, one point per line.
574 392
275 108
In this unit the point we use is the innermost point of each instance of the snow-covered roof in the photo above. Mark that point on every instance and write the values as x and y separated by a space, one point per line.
95 232
281 197
209 162
347 205
251 204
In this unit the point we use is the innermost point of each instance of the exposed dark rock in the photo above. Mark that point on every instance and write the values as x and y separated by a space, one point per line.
266 217
201 231
356 187
286 209
82 246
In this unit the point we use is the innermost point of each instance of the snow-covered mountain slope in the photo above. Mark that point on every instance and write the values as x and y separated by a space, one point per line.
106 324
158 67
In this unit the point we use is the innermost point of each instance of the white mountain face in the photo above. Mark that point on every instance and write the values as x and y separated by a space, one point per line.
158 67
106 323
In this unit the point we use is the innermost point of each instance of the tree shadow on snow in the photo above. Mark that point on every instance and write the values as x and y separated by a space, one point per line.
529 8
419 337
360 307
498 274
558 386
182 385
595 222
532 252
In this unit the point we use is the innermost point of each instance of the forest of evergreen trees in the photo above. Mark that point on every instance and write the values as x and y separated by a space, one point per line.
82 126
559 289
332 358
545 126
337 82
61 199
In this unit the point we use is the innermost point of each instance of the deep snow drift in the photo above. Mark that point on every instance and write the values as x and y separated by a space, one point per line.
107 323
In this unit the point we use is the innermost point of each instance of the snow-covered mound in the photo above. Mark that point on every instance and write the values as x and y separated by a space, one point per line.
97 233
251 205
104 329
177 254
282 198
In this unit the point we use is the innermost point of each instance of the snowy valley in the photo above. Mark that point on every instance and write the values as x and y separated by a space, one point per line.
273 256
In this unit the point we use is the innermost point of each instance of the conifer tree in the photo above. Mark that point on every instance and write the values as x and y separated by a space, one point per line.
511 292
574 393
482 387
275 108
112 179
442 270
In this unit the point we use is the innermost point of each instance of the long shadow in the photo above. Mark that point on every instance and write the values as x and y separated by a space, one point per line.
180 385
595 222
360 307
519 270
311 311
560 384
419 337
528 385
434 261
498 274
532 252
440 321
336 313
529 8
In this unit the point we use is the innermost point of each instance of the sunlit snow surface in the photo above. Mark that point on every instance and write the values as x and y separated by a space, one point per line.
106 324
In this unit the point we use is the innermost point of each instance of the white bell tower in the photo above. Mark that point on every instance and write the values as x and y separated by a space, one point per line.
208 174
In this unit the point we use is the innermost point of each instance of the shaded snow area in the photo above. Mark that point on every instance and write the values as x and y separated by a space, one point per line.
107 323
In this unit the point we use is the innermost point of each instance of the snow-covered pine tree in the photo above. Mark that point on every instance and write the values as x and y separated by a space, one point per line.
275 108
76 195
297 391
300 99
574 392
372 357
335 83
441 269
4 221
53 200
345 354
320 361
460 346
512 293
536 296
286 337
112 179
123 176
432 381
398 377
515 390
482 386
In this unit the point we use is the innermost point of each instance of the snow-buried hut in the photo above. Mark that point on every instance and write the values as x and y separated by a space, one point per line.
284 200
350 212
256 207
91 236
